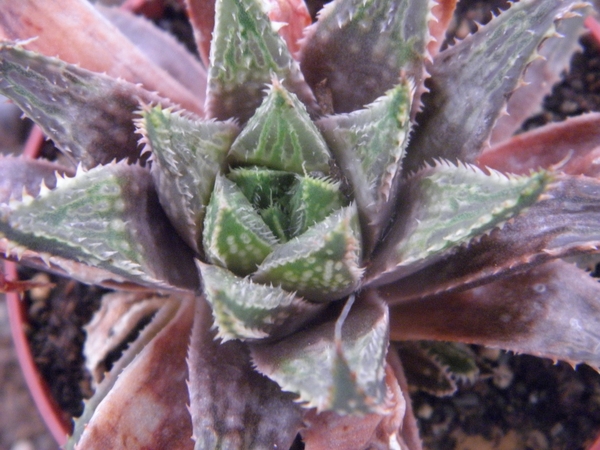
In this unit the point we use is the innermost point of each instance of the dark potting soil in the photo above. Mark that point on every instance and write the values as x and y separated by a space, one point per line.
522 403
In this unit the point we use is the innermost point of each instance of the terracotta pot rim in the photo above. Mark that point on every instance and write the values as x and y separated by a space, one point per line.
53 416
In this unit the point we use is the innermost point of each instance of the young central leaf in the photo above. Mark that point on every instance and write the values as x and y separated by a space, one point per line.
281 136
321 264
234 235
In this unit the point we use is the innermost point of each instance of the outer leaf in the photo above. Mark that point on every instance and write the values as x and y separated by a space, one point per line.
246 53
550 311
470 81
247 311
109 218
435 367
321 264
528 240
359 48
154 381
540 76
232 406
187 154
120 314
347 375
102 48
573 146
161 48
88 115
234 235
281 136
447 206
329 430
202 17
18 175
369 145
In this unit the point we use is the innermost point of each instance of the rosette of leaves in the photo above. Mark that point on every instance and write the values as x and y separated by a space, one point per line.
286 208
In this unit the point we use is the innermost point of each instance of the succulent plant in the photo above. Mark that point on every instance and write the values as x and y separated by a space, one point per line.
282 211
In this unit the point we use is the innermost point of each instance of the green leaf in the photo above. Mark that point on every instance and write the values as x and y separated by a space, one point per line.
234 235
445 206
246 53
358 48
322 264
527 240
187 154
343 373
471 81
312 200
108 218
436 367
281 136
248 311
88 115
368 145
263 187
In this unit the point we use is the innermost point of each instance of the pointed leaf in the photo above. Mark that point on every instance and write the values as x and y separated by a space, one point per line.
527 240
281 136
311 201
187 155
539 78
234 235
232 406
262 187
120 315
108 218
322 264
53 93
329 430
247 311
18 175
573 146
161 48
551 311
102 48
471 81
154 381
443 13
359 48
436 367
202 18
345 376
447 206
246 53
369 145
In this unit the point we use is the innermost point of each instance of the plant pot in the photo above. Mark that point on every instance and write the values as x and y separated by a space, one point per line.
57 421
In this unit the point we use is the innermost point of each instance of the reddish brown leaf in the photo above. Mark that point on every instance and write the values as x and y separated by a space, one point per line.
551 311
102 48
233 406
155 381
442 12
572 145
